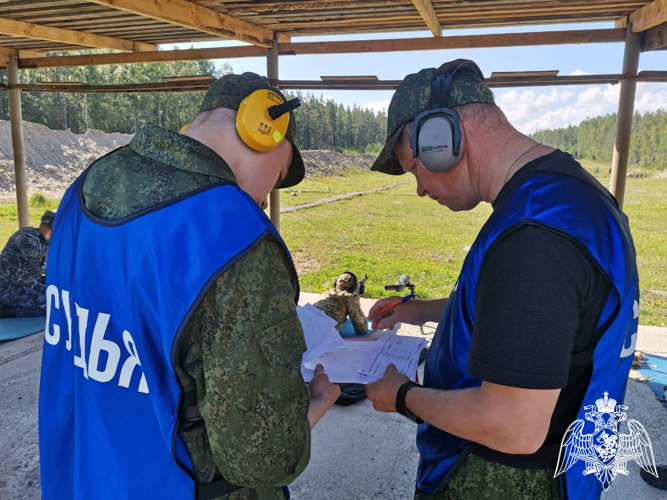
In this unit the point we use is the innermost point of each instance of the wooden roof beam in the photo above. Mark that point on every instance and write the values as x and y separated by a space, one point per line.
655 38
426 10
5 54
192 16
143 57
647 17
344 47
41 32
194 84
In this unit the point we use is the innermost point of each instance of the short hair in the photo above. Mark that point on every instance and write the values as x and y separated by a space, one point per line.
218 115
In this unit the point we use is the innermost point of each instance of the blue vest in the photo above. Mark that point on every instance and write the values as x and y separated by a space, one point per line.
119 295
569 206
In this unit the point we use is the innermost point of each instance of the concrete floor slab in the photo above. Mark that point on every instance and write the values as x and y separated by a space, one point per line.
357 453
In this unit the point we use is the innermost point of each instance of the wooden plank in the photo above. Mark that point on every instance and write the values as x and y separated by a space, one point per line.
500 74
455 42
58 83
143 57
494 82
652 76
649 16
191 78
200 85
193 16
425 9
133 87
347 78
655 38
39 32
345 47
7 54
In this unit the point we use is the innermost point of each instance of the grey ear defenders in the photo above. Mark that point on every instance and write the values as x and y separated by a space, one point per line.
438 136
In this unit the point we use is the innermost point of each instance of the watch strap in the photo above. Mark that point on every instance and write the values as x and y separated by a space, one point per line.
400 401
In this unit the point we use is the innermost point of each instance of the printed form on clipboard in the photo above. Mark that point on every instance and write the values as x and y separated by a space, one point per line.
362 361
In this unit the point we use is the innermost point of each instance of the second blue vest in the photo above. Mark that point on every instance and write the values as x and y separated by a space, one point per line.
573 207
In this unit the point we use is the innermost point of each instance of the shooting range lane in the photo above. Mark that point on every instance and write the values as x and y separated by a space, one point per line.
356 452
342 197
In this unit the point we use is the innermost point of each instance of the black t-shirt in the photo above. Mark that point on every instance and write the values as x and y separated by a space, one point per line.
539 297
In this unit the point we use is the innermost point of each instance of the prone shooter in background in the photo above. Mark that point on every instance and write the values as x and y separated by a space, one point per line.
343 301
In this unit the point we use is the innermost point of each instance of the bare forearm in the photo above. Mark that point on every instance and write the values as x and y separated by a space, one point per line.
433 309
316 411
502 424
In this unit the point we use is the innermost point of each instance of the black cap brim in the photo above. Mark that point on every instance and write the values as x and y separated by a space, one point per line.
387 162
296 172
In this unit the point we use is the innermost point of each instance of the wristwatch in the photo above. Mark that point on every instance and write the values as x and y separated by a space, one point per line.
400 402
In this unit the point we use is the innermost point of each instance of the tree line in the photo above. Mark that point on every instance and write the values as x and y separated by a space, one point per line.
321 123
593 139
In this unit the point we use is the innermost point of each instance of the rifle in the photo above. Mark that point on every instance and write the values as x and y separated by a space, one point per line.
362 285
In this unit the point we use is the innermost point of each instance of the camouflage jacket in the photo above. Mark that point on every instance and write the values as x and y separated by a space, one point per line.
255 431
338 305
22 260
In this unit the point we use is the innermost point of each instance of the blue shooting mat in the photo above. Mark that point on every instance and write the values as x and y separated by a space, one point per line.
656 368
15 328
348 331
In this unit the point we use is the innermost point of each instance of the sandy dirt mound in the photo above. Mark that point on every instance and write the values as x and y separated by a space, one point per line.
661 175
54 158
321 162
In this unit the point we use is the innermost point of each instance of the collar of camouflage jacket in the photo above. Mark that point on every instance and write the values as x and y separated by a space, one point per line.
180 151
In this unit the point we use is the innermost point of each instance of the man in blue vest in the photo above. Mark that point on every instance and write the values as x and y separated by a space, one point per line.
543 317
172 351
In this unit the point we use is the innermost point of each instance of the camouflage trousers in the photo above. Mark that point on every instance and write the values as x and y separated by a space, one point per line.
480 479
27 301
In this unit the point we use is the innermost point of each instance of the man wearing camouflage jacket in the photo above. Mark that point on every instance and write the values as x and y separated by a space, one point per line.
343 301
22 264
245 412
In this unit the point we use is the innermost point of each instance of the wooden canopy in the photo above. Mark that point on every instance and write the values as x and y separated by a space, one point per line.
141 25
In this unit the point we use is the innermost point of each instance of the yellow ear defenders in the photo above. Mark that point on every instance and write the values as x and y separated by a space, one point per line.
263 118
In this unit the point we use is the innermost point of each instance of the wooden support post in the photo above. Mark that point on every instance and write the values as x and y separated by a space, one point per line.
272 73
626 103
17 142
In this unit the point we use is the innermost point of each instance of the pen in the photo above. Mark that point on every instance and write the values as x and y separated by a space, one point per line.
394 304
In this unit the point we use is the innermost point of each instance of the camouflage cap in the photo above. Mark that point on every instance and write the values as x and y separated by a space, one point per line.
48 218
412 97
230 90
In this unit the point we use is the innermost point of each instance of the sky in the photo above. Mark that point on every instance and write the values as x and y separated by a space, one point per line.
528 108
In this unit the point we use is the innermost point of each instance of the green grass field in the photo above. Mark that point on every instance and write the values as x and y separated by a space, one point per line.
395 232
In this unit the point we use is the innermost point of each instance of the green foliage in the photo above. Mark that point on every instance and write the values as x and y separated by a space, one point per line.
9 217
593 139
38 200
321 123
112 112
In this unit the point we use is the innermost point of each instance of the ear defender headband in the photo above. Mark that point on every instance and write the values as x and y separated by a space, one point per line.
438 136
262 119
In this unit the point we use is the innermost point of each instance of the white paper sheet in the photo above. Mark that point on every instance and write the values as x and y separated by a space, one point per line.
342 364
319 331
363 362
400 350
